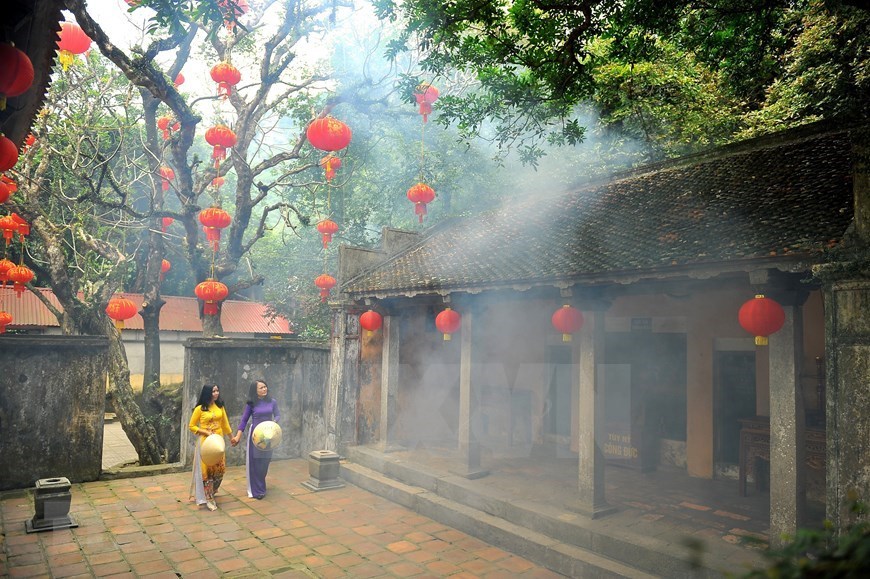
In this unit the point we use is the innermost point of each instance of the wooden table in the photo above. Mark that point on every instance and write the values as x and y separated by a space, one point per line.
755 446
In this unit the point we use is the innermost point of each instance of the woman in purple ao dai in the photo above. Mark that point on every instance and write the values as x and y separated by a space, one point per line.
260 407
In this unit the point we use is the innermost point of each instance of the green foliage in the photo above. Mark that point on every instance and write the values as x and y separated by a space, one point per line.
823 553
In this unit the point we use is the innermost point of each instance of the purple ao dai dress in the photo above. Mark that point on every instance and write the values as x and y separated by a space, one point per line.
257 461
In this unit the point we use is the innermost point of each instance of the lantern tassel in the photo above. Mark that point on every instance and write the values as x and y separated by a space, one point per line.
210 308
119 324
2 108
447 337
420 210
66 59
566 337
761 340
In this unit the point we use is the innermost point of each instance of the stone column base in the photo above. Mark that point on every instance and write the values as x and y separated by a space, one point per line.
324 468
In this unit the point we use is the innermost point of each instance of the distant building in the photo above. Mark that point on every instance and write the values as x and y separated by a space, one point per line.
179 320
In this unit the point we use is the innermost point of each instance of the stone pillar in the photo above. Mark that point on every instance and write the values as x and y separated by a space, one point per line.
787 428
847 352
589 350
331 408
469 446
390 383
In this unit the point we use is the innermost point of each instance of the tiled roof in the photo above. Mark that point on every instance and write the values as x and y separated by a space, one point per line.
179 314
774 200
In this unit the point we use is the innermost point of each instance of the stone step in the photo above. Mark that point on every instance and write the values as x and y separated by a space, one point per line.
569 560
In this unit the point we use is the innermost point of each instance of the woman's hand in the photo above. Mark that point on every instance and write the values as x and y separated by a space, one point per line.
205 432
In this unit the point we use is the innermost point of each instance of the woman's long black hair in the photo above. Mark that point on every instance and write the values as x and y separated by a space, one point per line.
205 397
252 393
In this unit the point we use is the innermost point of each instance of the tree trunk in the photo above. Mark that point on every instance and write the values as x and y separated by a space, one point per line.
151 320
141 434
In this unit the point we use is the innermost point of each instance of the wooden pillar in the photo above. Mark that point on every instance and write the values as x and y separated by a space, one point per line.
331 408
589 350
469 446
390 383
787 428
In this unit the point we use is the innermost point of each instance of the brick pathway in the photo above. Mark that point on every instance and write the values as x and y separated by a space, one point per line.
146 527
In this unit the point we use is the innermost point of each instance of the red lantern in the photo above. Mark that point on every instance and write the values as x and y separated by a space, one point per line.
179 80
761 317
5 320
10 183
330 164
448 322
72 40
327 228
29 141
16 73
211 292
213 220
166 222
165 124
8 153
120 309
5 266
227 76
421 194
23 226
166 175
4 192
371 321
165 266
328 134
217 182
426 94
325 282
232 10
567 320
221 137
9 226
20 274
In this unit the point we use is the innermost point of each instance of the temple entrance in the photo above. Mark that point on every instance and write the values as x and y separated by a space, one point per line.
735 399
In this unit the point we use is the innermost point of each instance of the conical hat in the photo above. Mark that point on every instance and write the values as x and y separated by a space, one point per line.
212 449
267 435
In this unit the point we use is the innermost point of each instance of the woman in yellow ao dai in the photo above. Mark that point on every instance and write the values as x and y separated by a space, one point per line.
209 417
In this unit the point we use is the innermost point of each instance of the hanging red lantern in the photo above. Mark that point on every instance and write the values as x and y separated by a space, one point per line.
10 183
20 275
16 73
221 137
232 11
227 76
371 321
23 226
761 317
327 229
426 94
29 141
165 266
218 182
5 320
179 80
166 222
567 320
328 134
9 227
448 322
211 292
165 124
330 164
213 220
166 175
72 40
421 194
4 192
120 309
8 153
325 282
5 266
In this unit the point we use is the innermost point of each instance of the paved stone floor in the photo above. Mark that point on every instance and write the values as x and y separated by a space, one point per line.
117 448
146 527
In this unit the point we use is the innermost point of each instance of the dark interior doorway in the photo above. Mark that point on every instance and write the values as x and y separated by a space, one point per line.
735 399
